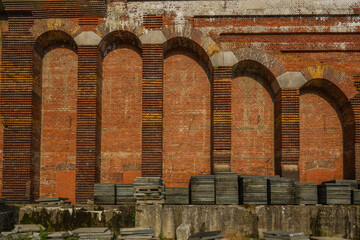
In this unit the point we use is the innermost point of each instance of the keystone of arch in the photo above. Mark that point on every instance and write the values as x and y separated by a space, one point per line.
288 80
224 59
152 37
88 38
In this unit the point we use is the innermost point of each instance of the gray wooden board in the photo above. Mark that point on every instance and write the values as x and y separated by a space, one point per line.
202 187
104 189
334 193
252 189
177 195
136 231
353 184
104 200
356 197
281 191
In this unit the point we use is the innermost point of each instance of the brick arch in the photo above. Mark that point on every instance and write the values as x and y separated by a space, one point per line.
53 39
327 126
203 40
105 29
265 59
252 67
112 40
191 46
45 25
339 79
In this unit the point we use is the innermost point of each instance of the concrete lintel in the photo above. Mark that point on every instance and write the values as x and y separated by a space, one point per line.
153 37
288 80
87 38
224 59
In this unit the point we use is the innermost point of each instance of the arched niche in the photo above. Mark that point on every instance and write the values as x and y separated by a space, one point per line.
327 133
186 111
253 124
121 110
54 108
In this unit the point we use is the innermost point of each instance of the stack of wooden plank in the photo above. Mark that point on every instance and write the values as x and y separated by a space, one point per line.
334 193
213 235
226 188
356 196
102 233
280 191
104 193
149 190
177 195
137 234
306 193
202 189
252 189
52 200
125 193
354 186
282 235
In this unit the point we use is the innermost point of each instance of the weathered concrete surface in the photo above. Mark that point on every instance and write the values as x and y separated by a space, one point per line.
252 221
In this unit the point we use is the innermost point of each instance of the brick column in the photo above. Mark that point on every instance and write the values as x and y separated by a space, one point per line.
88 122
355 103
287 145
221 119
17 90
152 110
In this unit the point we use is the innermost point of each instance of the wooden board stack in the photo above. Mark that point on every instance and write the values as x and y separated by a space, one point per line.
149 190
226 188
306 193
137 234
202 189
104 193
282 235
177 195
52 200
356 196
213 235
354 186
252 189
101 233
125 193
280 191
334 193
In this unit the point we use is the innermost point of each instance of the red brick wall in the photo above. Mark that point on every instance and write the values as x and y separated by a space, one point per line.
121 116
187 113
321 140
58 134
252 127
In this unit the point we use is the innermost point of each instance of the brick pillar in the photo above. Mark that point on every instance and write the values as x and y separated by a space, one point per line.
88 122
17 90
221 119
287 119
355 103
152 110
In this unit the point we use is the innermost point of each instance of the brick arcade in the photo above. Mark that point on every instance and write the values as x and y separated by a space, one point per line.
106 91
